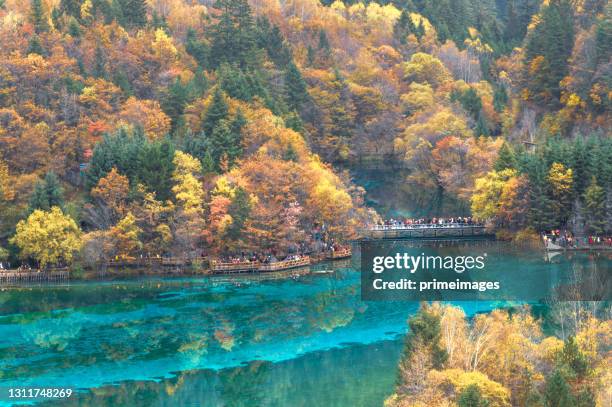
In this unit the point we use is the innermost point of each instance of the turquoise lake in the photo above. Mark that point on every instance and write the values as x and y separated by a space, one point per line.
302 341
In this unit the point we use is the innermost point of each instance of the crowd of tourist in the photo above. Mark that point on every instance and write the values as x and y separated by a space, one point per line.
567 239
427 222
258 257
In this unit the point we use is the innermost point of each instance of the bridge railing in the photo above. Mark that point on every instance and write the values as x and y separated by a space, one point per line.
417 226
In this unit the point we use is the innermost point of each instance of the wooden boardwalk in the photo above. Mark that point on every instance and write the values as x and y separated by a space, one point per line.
423 231
155 262
219 267
15 277
339 254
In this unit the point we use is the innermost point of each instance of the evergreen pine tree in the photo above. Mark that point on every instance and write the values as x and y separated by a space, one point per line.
199 83
585 399
506 158
74 28
603 34
35 47
278 51
158 21
310 56
295 88
290 154
424 335
70 7
323 42
39 199
342 113
121 79
595 208
196 48
38 16
552 41
403 27
155 165
99 68
420 32
573 359
233 37
221 139
557 392
226 139
134 13
216 112
174 101
47 193
294 122
116 10
500 99
471 397
239 210
540 214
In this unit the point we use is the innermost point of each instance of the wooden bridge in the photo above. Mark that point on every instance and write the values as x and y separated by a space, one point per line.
420 231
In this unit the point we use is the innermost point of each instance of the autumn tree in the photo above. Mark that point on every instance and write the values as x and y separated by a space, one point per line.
110 200
126 236
189 195
49 237
487 191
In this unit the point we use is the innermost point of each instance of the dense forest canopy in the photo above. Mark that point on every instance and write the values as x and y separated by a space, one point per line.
181 127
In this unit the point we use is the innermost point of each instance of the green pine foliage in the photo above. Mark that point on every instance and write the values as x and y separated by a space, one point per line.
39 17
471 397
547 50
141 160
217 111
35 46
404 27
595 208
233 37
558 392
506 158
47 193
424 333
295 88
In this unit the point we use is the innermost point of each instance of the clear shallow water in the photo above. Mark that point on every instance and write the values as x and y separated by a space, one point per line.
207 341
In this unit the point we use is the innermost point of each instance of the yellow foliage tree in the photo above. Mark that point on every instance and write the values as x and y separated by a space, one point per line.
487 191
126 235
48 237
456 380
189 194
425 68
112 190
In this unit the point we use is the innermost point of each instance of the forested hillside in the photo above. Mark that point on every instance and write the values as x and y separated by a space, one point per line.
182 127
